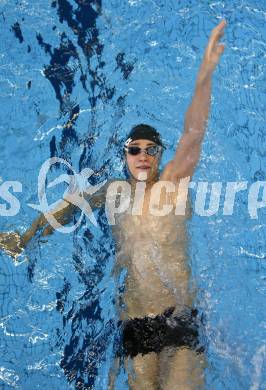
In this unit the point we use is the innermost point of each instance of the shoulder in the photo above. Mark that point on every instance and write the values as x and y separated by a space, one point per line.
176 190
167 171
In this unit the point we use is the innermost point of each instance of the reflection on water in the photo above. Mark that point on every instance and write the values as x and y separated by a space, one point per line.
75 76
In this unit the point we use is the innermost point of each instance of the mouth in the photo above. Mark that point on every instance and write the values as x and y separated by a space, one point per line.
143 167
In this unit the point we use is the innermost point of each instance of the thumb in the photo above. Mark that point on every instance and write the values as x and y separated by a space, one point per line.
221 48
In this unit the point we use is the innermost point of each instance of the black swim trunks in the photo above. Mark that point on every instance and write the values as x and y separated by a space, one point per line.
152 334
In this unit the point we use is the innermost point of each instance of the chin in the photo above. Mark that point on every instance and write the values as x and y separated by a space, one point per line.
143 176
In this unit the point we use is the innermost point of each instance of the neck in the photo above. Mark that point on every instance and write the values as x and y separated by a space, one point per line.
149 183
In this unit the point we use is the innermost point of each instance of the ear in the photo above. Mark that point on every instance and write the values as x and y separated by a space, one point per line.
126 170
124 158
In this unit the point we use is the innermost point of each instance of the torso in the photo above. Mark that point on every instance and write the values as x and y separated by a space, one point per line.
153 250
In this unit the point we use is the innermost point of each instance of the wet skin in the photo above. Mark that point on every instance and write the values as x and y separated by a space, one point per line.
153 251
182 368
156 279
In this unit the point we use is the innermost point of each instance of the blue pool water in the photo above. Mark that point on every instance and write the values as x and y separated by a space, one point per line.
75 76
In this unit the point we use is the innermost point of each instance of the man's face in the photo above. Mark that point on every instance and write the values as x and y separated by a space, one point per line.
142 164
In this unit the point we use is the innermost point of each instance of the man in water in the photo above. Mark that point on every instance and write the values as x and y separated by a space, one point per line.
159 330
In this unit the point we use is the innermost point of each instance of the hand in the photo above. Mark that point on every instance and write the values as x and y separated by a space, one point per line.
11 243
214 49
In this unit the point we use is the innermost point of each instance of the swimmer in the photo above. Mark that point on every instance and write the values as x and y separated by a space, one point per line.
158 324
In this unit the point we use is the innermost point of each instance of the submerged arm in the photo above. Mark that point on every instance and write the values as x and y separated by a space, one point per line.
63 214
13 243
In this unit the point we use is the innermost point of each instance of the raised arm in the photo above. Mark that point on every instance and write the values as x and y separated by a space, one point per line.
188 151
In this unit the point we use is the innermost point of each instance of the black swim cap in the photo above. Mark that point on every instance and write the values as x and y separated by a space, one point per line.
144 132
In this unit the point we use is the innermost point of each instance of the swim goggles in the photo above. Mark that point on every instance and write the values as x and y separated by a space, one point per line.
150 150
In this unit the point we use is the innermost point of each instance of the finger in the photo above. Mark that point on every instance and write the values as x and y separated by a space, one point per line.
215 38
217 54
217 33
220 48
211 44
221 25
214 50
219 30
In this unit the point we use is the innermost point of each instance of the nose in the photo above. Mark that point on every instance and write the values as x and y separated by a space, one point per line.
143 155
